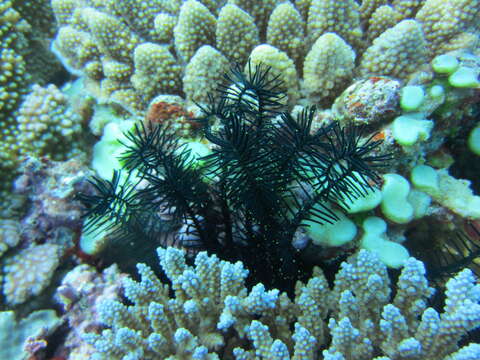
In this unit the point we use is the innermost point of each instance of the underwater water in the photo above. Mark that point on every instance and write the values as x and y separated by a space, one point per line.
240 179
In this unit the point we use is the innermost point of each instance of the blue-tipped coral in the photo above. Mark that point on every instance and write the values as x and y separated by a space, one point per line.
208 313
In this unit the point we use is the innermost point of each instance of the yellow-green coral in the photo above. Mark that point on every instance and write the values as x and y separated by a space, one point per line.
328 67
398 52
47 125
236 33
195 26
204 72
27 273
281 67
14 81
340 17
375 32
151 62
450 25
286 31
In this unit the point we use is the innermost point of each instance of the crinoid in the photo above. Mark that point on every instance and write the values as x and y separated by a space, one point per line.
458 252
268 173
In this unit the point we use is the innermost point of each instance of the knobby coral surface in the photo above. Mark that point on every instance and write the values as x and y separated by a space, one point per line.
207 313
170 46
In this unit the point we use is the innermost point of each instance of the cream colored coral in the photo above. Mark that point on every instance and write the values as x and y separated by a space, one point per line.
47 125
328 67
456 195
116 70
109 85
398 52
368 7
78 52
407 8
204 73
29 272
285 31
383 18
340 17
195 27
140 14
11 81
111 35
156 71
236 33
164 25
259 10
445 22
303 6
9 234
63 10
281 67
13 78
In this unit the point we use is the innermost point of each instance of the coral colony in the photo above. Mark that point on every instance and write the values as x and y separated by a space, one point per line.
236 179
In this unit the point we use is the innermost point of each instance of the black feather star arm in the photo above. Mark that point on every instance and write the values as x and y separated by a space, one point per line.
174 181
345 163
147 147
177 187
328 166
246 167
255 94
267 175
294 141
457 253
113 203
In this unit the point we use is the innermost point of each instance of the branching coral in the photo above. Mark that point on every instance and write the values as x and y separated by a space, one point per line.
235 28
46 124
213 316
13 85
23 60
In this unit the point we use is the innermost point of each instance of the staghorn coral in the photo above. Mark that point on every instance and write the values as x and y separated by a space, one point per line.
235 28
132 76
211 315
